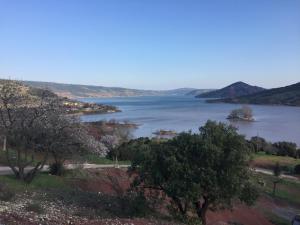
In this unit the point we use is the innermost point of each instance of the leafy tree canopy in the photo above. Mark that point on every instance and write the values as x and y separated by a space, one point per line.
197 171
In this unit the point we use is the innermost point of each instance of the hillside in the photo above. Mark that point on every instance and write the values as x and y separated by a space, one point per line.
198 92
34 95
289 95
234 90
84 91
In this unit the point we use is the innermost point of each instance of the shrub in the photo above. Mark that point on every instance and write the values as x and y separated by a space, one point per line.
286 148
127 150
258 143
297 169
57 169
5 193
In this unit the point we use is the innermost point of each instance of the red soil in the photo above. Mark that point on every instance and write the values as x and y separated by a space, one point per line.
241 214
116 181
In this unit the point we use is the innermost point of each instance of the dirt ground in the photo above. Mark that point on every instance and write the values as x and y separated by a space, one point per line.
114 181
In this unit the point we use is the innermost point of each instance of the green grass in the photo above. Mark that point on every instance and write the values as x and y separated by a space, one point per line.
263 160
287 190
12 156
276 220
42 181
92 158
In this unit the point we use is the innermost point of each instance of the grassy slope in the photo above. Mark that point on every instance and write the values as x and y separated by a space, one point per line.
265 161
42 181
287 191
287 197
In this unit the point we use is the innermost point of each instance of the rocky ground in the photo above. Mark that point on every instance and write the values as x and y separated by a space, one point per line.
41 208
23 210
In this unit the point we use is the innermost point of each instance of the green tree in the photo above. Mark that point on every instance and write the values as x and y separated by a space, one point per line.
258 143
284 148
197 171
127 150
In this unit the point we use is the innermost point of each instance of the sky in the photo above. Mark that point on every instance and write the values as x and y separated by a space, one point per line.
151 44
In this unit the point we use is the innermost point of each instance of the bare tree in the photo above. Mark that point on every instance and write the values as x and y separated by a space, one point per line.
24 123
35 127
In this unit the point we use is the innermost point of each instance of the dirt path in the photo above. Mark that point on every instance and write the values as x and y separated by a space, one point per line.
269 172
5 170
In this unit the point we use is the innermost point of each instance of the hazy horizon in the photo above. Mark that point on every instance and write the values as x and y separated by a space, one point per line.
153 89
153 45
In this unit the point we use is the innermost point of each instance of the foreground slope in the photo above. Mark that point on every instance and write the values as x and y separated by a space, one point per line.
289 95
234 90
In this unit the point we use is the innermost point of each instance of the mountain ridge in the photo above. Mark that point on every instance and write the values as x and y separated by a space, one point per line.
233 90
287 95
85 91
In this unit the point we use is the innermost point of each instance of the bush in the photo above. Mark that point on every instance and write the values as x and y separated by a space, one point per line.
297 169
286 149
57 169
35 207
5 193
127 151
258 144
130 204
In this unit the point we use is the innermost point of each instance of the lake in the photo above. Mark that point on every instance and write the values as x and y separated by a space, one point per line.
183 113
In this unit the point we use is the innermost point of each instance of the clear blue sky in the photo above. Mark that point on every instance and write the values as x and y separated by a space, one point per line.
152 44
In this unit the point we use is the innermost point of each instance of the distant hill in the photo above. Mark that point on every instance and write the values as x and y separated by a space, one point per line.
198 92
34 96
33 93
289 95
83 91
179 91
234 90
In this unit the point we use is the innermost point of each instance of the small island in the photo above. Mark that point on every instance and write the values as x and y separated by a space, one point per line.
241 114
165 133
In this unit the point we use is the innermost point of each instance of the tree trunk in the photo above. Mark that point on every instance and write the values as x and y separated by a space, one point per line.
203 217
39 166
116 162
180 206
10 164
201 210
274 188
4 143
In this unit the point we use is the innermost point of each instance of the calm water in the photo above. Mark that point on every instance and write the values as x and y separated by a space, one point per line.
183 113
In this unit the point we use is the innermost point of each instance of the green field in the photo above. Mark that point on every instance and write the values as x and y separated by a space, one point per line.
287 190
42 181
262 160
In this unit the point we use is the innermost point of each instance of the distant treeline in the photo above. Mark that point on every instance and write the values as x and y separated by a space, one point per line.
281 148
127 150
